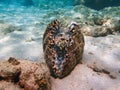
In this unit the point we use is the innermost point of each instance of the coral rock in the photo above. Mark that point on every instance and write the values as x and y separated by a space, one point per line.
24 74
108 26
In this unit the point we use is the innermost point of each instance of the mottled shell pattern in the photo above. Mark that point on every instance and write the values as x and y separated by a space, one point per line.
63 47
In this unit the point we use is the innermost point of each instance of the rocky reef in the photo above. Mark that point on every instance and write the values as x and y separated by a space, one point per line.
102 27
92 22
97 4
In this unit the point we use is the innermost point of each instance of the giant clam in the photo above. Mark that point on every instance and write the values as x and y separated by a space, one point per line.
63 47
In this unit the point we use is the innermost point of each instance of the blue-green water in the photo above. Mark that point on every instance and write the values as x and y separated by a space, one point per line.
23 22
41 4
28 12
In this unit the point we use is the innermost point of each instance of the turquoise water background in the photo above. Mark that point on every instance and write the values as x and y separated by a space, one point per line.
29 19
27 13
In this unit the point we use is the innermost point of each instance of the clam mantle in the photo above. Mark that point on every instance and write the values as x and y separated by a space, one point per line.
63 47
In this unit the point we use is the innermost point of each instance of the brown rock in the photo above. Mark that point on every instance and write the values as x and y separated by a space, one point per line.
13 61
35 76
8 71
25 74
